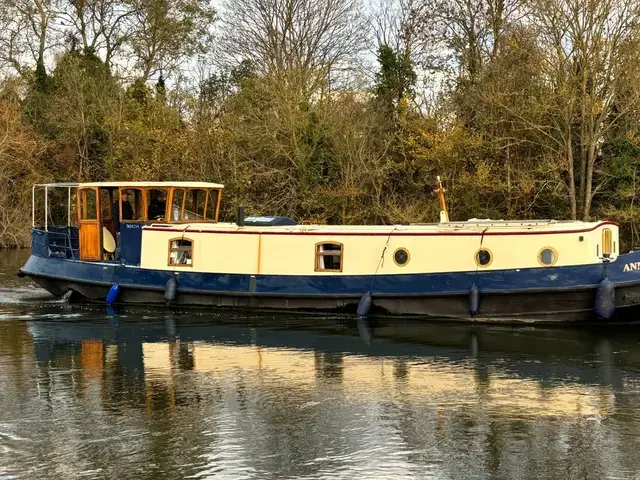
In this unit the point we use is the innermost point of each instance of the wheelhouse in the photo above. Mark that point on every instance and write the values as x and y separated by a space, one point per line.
103 221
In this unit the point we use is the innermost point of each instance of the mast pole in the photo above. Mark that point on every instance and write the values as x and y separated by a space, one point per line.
444 214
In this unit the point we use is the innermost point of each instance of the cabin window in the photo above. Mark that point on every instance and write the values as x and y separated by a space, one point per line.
105 204
177 203
194 204
606 242
157 204
401 257
88 204
181 252
483 257
135 198
212 205
329 257
548 256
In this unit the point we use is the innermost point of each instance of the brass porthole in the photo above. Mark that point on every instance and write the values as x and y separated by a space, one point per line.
547 256
483 257
401 257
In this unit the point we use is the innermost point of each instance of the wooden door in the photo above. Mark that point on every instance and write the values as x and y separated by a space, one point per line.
89 220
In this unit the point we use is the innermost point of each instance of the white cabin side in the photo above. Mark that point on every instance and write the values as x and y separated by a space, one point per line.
357 250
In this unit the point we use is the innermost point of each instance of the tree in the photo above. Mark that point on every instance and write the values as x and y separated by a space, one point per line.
396 78
302 41
165 33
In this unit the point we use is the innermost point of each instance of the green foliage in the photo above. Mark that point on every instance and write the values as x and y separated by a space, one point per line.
396 77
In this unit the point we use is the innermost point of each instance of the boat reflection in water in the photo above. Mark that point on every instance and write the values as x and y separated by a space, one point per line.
163 394
509 372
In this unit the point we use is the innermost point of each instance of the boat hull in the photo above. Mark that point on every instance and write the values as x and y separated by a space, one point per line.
542 295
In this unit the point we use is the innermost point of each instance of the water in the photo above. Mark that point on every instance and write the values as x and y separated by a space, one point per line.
87 392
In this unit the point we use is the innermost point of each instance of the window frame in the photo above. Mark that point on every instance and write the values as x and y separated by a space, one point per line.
323 254
143 207
406 250
83 208
185 190
180 249
475 257
555 253
148 199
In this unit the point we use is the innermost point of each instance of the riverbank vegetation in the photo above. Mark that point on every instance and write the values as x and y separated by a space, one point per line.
336 111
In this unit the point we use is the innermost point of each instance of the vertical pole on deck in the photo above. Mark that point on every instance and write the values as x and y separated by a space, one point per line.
46 209
33 206
69 209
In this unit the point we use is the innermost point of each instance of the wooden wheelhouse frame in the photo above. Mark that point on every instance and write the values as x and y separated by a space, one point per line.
90 230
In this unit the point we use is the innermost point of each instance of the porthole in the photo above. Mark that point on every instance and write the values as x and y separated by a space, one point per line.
401 257
483 257
547 256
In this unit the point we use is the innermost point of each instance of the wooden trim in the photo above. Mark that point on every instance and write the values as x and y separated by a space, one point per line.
180 249
206 202
475 257
218 206
184 202
555 253
408 257
322 254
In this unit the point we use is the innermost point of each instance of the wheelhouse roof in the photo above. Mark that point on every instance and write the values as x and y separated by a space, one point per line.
133 185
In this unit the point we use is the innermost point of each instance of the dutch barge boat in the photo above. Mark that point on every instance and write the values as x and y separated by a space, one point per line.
161 242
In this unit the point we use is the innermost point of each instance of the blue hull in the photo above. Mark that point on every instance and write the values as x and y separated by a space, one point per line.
552 294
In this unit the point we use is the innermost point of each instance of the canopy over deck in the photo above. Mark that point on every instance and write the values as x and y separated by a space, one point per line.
132 185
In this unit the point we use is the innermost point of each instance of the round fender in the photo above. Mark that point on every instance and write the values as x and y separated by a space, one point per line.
364 305
170 290
112 296
605 299
474 300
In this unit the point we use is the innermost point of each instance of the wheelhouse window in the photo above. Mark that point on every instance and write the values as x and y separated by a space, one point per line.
211 209
181 252
194 205
131 205
157 204
329 257
88 204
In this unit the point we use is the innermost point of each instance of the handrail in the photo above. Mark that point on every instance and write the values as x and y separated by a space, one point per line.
66 236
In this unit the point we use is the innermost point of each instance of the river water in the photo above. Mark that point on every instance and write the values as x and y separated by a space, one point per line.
91 392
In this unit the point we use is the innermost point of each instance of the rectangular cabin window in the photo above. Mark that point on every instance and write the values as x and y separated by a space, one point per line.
329 257
194 204
132 205
88 204
157 204
181 252
177 203
105 203
212 205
